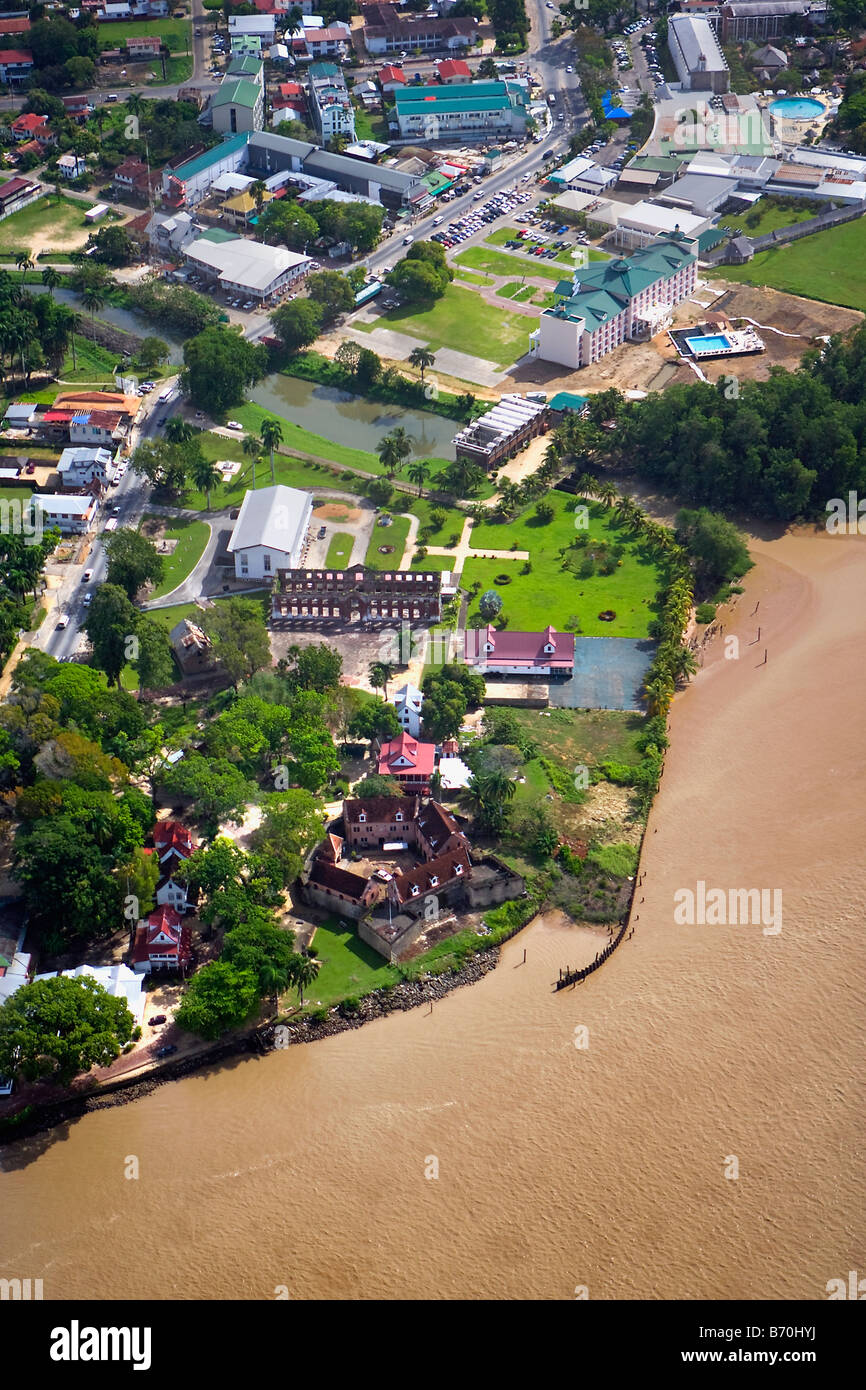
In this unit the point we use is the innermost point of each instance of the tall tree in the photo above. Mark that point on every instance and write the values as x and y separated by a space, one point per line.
53 1029
271 435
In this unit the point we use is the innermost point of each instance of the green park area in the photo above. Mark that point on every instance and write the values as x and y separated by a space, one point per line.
468 277
63 216
829 266
349 967
339 550
769 215
504 263
175 33
565 584
192 537
460 320
393 536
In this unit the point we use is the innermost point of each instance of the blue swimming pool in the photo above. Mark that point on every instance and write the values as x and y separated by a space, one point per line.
708 342
797 108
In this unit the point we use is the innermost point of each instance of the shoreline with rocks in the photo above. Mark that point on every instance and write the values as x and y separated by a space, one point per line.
260 1041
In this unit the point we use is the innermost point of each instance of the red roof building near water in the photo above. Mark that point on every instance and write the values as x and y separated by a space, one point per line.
531 653
162 941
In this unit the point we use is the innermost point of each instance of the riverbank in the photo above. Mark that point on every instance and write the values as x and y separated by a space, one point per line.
409 994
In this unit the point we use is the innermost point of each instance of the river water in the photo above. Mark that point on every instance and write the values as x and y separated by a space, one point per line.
558 1166
352 420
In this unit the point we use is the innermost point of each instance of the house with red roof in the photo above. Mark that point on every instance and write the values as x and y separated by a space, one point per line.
410 761
161 943
453 70
16 65
438 876
16 193
14 26
29 126
547 653
391 77
173 844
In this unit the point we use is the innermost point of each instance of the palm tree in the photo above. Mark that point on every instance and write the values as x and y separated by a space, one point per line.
205 475
252 448
24 262
178 430
659 692
93 299
50 279
271 433
587 485
422 358
464 476
274 979
257 192
509 496
418 472
303 971
388 455
607 493
380 672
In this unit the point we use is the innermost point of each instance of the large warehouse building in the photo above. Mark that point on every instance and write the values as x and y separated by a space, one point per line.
700 63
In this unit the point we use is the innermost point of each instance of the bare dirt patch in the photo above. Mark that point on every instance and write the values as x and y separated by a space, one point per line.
336 511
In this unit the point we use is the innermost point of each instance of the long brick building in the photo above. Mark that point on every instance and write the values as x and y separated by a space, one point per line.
357 594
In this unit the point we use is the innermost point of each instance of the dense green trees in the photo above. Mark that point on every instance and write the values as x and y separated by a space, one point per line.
173 306
53 1029
715 546
220 365
333 292
423 273
133 560
237 629
298 323
218 998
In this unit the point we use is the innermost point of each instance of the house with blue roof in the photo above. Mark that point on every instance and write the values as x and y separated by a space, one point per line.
609 302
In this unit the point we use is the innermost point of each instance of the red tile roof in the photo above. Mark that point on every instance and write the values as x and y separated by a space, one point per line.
14 26
171 835
29 120
325 875
431 877
453 67
519 648
15 55
405 755
380 808
390 73
14 187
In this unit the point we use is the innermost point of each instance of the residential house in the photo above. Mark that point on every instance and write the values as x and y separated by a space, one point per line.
270 531
78 108
410 761
16 25
331 104
79 467
132 180
118 980
71 166
192 647
453 70
29 126
407 701
391 77
143 47
260 26
71 515
547 653
331 41
16 66
161 943
174 844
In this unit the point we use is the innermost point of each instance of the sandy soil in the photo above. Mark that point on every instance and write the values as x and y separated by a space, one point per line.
334 511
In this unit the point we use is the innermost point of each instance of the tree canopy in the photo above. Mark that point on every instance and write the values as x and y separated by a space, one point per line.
54 1029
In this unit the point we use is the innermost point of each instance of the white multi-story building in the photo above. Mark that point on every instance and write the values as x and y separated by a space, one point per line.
699 61
330 102
613 301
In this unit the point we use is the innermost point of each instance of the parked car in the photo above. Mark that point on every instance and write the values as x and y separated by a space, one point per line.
158 1018
87 576
88 598
165 1051
233 425
63 620
322 532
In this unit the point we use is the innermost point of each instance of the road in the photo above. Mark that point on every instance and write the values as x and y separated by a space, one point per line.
130 496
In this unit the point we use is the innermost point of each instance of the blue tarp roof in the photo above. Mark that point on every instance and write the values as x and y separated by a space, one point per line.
614 113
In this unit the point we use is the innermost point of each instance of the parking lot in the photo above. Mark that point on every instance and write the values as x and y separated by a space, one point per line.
502 204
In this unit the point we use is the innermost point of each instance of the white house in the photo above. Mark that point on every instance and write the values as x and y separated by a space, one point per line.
70 514
407 702
270 531
260 26
79 467
71 166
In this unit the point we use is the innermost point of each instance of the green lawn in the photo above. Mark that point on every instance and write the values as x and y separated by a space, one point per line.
504 263
435 563
463 321
175 33
93 363
350 968
370 126
191 537
339 550
768 217
395 535
472 279
829 266
571 737
550 594
64 218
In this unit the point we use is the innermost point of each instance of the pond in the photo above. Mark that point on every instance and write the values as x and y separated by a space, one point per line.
121 318
352 420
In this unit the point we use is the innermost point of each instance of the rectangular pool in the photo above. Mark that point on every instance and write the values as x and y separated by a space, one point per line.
708 343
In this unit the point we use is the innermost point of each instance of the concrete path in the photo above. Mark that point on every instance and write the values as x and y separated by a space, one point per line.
464 551
411 539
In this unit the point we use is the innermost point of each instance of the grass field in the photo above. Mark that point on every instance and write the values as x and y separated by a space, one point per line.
175 33
191 537
339 550
93 363
571 737
548 594
470 278
459 320
65 218
370 126
349 966
503 263
768 218
395 535
829 266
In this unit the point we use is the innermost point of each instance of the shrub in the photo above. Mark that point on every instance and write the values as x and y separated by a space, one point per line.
136 1033
350 1005
438 517
705 612
319 1015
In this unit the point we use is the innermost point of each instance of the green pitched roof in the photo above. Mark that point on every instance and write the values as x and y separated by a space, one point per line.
567 400
218 235
606 287
240 93
245 65
185 169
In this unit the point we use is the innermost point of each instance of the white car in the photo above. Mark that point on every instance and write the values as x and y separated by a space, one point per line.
63 620
233 425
